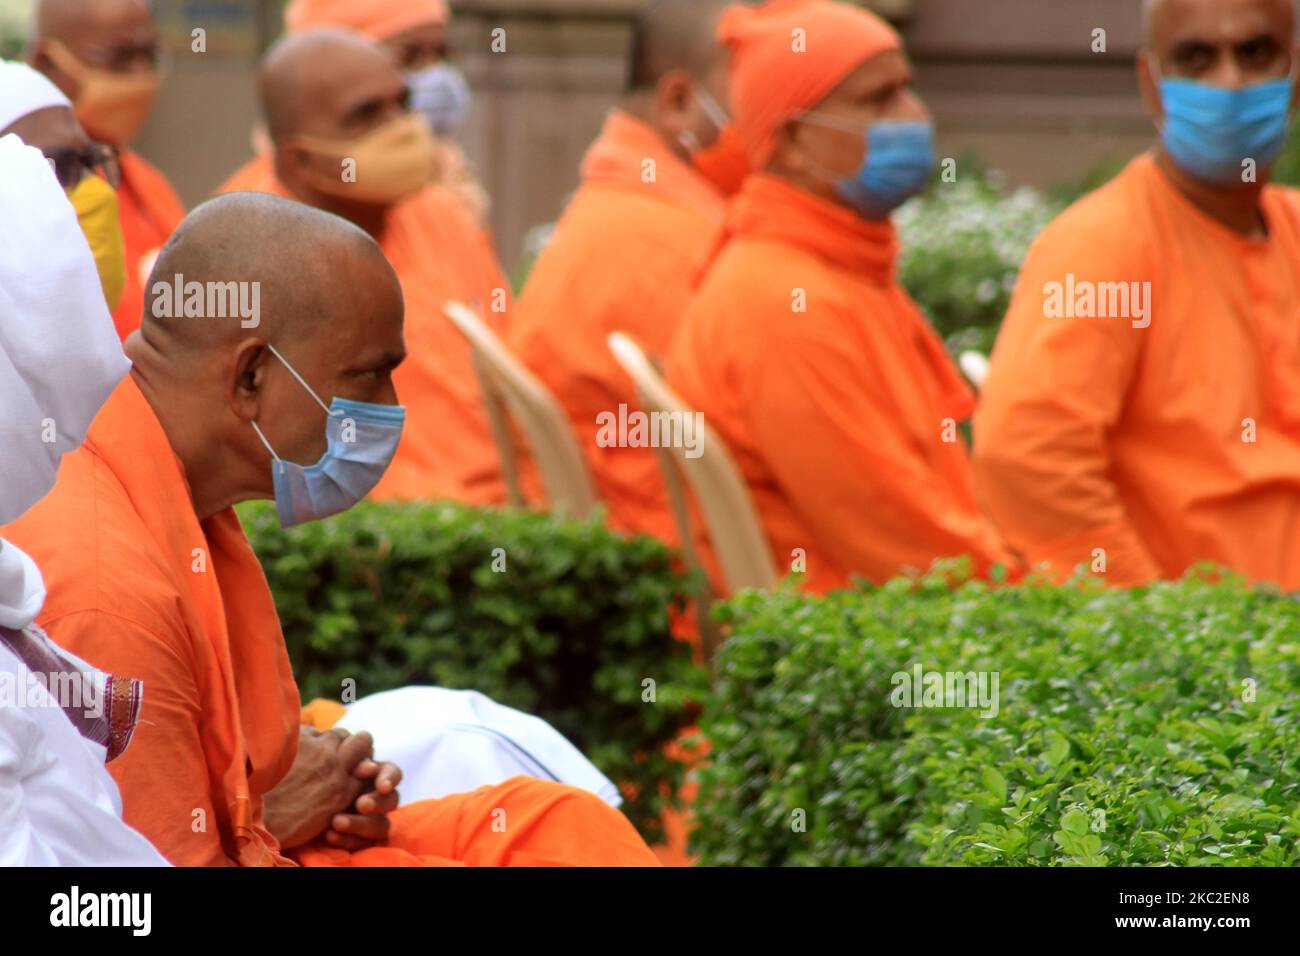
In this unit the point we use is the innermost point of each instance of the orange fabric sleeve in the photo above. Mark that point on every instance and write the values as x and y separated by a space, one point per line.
521 822
860 479
322 714
163 776
1056 386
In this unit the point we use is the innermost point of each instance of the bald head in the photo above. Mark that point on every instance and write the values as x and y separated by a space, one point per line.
60 18
673 35
326 310
1165 19
116 27
311 270
327 83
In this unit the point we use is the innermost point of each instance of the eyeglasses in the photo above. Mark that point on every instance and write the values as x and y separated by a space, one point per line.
127 59
71 166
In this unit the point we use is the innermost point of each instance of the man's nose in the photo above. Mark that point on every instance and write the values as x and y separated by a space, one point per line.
1227 72
909 106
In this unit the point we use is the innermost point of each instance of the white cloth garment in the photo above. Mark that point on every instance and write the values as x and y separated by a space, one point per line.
24 91
58 805
59 353
454 741
59 360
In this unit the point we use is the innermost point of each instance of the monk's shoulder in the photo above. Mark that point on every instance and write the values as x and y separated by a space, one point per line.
637 215
436 208
647 252
1112 229
95 553
1283 201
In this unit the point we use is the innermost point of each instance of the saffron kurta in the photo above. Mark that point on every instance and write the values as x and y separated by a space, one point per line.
623 259
1144 450
136 581
150 211
837 400
439 255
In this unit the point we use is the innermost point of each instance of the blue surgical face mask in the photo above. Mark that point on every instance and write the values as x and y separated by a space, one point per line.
898 164
1210 131
361 439
441 94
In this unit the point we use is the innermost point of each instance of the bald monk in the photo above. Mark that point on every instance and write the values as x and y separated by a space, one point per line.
336 107
414 32
146 563
103 54
1142 411
625 252
838 402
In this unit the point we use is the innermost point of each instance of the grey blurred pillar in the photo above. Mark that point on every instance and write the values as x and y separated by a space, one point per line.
199 133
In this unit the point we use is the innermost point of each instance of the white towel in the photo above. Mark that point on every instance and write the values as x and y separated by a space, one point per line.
454 741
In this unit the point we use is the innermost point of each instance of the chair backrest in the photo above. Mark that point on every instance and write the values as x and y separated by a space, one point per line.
512 393
728 512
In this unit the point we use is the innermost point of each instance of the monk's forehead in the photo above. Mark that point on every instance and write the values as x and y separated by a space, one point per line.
351 75
887 68
1217 22
103 23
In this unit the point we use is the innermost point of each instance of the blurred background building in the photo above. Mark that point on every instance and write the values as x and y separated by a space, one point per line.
1015 83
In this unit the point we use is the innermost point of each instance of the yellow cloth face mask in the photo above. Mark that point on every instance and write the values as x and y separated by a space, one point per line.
96 206
386 165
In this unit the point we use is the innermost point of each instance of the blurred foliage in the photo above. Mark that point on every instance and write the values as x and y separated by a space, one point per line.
14 17
1287 169
962 245
565 620
1153 726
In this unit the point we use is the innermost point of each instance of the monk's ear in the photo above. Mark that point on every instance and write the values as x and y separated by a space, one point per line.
291 162
1148 88
787 150
248 378
41 61
673 98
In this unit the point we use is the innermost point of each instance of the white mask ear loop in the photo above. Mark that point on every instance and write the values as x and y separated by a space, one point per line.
303 383
301 380
712 108
274 456
832 122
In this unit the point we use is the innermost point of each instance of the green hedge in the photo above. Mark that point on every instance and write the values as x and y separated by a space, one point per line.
570 630
1153 726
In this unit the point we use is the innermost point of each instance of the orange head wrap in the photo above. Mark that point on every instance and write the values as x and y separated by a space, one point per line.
787 55
377 19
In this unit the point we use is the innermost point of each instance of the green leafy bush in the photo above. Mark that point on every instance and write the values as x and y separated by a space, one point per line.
391 595
1154 726
1286 171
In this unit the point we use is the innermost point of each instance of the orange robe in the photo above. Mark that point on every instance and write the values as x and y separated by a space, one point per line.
623 258
439 255
137 582
1150 448
837 400
150 211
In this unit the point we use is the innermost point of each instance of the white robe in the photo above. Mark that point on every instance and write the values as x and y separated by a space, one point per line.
58 804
